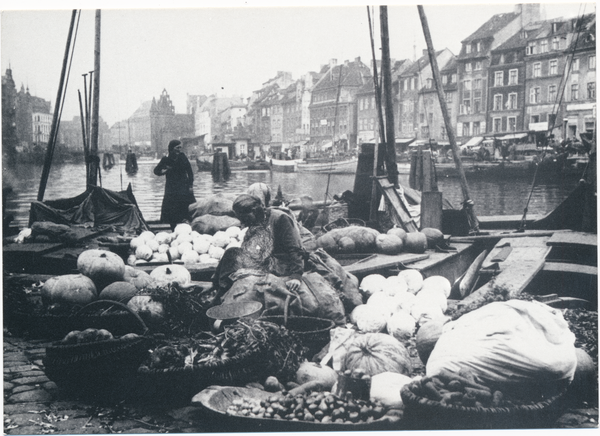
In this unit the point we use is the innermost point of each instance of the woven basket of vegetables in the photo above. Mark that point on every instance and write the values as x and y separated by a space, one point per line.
442 404
95 362
248 350
312 332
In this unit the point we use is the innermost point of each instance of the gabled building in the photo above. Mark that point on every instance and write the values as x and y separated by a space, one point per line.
10 141
166 124
506 90
546 64
417 77
34 119
367 114
474 61
333 107
431 122
580 95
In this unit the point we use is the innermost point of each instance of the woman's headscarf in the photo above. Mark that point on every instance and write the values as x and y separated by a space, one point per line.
174 143
262 191
246 203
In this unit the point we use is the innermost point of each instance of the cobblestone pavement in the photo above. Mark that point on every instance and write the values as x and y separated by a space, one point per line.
34 405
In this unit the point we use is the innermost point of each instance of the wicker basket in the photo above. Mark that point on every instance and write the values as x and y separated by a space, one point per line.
102 369
421 413
313 333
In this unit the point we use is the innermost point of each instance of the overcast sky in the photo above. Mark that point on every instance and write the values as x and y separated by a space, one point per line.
227 50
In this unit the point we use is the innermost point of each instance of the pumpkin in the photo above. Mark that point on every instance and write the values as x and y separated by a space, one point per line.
201 246
397 231
312 371
167 274
140 279
220 239
190 257
233 232
434 237
163 238
184 237
103 267
118 291
174 253
152 312
184 246
413 279
427 336
146 236
327 243
375 353
439 283
136 242
69 289
163 248
144 252
159 257
346 245
153 244
388 244
395 285
131 260
372 283
416 242
216 252
401 325
369 318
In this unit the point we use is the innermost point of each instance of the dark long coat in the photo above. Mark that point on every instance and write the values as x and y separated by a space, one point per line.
178 196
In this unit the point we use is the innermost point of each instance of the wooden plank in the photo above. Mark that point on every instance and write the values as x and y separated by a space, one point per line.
573 239
525 261
499 235
30 248
570 268
382 262
401 215
431 210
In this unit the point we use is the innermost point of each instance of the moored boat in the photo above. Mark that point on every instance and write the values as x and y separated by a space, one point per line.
328 166
284 166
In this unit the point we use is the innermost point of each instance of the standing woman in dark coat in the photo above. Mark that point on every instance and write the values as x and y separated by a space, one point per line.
179 186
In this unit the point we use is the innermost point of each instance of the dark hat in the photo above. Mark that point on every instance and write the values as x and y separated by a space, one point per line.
174 143
246 203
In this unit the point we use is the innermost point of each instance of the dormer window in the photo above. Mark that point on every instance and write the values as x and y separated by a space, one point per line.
468 48
478 46
554 27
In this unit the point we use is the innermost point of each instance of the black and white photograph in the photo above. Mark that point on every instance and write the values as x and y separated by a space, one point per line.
306 217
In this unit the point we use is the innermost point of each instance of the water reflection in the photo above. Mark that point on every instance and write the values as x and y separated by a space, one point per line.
491 196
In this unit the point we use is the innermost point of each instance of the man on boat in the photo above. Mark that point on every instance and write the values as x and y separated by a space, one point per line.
179 186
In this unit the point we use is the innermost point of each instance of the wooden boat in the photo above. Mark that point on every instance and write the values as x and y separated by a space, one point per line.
258 165
284 166
328 166
204 162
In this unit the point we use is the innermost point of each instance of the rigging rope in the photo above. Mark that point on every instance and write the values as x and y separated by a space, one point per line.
556 106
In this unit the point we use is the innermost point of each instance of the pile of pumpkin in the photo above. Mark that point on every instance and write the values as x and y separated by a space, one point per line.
358 239
183 244
103 275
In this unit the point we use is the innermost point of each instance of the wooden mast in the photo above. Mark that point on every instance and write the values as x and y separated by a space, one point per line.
94 160
390 136
467 203
55 117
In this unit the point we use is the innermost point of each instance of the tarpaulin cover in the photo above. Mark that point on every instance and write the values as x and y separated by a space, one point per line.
96 207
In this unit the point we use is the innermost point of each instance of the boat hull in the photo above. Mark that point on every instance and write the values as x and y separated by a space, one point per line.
339 167
283 166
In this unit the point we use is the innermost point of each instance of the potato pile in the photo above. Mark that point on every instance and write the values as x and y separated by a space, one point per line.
184 244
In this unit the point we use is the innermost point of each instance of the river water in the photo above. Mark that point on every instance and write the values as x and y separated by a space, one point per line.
491 196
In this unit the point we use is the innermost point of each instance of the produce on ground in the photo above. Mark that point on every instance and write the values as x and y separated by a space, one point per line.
69 290
102 266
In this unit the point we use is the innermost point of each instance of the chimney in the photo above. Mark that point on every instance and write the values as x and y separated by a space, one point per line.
357 60
346 62
530 12
332 63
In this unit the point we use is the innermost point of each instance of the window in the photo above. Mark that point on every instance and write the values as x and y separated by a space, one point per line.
414 83
477 65
498 102
498 78
466 129
535 118
497 125
591 91
448 98
551 93
453 78
476 105
479 46
476 83
513 77
534 95
468 48
466 107
468 67
476 128
553 67
443 132
430 121
429 83
555 43
421 118
575 91
467 85
575 65
512 101
405 84
537 69
512 124
530 49
543 46
444 79
592 62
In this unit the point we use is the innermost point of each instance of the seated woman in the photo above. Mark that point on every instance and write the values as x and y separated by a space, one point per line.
272 244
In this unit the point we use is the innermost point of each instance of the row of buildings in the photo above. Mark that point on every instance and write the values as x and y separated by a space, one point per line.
516 75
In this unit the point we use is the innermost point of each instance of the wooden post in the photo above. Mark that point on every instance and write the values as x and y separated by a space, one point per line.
94 160
55 117
467 203
390 136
